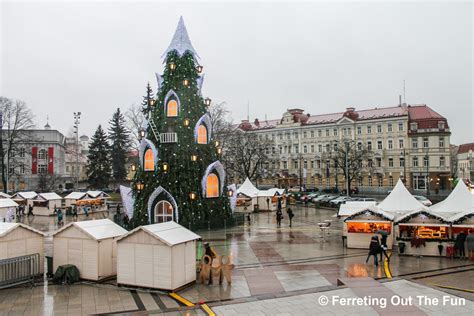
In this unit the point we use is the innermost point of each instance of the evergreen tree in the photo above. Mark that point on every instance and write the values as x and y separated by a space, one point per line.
147 98
183 166
119 138
98 168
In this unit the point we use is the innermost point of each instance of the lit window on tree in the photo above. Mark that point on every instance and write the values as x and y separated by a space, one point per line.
202 134
149 160
212 186
172 108
163 212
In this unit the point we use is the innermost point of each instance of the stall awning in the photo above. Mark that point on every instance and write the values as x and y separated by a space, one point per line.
400 201
428 214
458 201
48 197
7 203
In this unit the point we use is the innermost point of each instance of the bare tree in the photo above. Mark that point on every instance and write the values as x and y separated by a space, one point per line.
47 182
16 119
246 155
349 159
135 119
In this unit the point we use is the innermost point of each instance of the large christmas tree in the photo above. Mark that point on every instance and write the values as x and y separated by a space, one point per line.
180 177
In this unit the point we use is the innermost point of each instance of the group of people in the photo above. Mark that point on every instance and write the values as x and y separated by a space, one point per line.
20 210
460 244
378 247
279 216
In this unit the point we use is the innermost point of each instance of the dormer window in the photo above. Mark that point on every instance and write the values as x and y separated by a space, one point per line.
441 125
413 126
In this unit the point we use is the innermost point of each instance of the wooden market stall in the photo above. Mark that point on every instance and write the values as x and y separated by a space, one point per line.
25 198
351 207
249 198
71 198
7 207
423 233
45 203
3 195
362 225
17 240
462 222
94 201
161 256
89 245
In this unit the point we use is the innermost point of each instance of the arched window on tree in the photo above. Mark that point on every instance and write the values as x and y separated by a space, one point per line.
149 160
212 186
163 212
202 134
172 108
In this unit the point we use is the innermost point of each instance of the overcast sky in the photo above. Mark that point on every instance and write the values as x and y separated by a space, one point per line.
94 57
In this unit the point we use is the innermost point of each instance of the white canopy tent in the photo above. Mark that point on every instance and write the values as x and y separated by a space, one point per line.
248 189
458 201
400 201
261 199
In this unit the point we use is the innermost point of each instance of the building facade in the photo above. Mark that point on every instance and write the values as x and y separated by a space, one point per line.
465 162
76 160
398 137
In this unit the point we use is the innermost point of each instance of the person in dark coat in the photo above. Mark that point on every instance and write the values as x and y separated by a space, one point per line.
459 245
279 216
374 249
290 215
383 247
30 210
470 244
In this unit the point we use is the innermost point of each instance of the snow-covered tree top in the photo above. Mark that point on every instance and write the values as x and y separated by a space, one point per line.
180 42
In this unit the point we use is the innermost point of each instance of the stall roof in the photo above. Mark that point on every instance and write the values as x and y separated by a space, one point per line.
373 211
351 207
95 194
400 201
459 200
25 195
75 195
426 213
97 229
171 233
49 196
3 195
271 192
8 203
458 216
247 188
5 228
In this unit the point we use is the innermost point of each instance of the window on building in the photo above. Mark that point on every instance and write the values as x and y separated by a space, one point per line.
297 149
312 148
414 143
318 164
22 152
369 145
334 132
22 169
305 164
320 179
296 135
359 146
172 108
281 149
442 161
441 142
163 212
380 181
349 131
328 183
335 146
327 132
359 181
369 129
312 164
370 163
285 164
390 181
379 144
425 161
305 134
320 148
419 182
202 134
401 144
441 125
280 136
328 147
305 149
425 142
359 130
400 126
379 128
413 126
389 127
288 135
295 164
379 162
370 181
415 161
42 169
390 144
402 162
320 133
273 150
67 169
149 161
390 162
212 186
42 154
312 134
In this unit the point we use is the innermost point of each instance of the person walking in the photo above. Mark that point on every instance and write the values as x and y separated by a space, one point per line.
459 245
383 247
248 218
373 250
86 211
470 244
74 212
279 216
290 215
30 210
59 215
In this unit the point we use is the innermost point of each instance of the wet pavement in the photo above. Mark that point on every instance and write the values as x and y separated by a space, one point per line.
270 262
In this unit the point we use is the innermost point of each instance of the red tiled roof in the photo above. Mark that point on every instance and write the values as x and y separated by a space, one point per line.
464 148
421 112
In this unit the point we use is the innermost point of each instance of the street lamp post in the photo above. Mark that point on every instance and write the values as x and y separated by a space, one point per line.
427 174
346 143
77 118
300 157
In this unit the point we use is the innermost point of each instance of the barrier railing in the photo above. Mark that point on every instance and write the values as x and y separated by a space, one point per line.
18 270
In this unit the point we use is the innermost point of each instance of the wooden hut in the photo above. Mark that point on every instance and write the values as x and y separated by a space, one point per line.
73 197
18 240
161 256
361 226
45 203
25 198
95 201
89 245
5 206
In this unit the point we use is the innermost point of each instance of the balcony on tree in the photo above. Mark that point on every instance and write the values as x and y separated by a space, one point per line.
168 138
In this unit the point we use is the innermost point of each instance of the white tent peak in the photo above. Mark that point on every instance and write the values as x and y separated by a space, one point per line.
400 201
180 42
247 188
459 200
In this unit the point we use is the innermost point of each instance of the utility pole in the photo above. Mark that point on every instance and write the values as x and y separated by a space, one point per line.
347 168
77 118
427 174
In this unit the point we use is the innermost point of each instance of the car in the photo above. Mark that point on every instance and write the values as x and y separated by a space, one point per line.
326 200
425 201
319 198
340 200
308 196
354 190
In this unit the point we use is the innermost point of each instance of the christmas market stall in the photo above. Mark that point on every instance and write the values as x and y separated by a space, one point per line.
17 240
362 225
94 201
249 198
351 207
462 222
7 210
423 233
24 198
161 256
45 203
3 195
89 245
268 199
400 202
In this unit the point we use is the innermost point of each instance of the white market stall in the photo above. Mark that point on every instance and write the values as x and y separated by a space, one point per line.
161 256
351 207
7 207
400 202
249 198
3 195
89 245
94 201
25 198
17 240
71 198
45 203
268 199
362 225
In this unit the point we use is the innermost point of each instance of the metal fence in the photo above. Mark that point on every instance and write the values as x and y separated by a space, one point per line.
18 270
